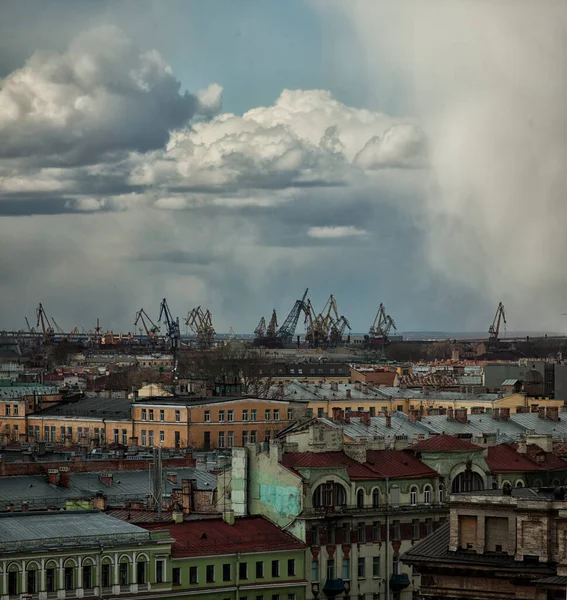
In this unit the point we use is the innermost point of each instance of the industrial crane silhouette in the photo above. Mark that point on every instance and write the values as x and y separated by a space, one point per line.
494 329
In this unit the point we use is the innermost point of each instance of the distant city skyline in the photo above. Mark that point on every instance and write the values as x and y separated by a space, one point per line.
230 155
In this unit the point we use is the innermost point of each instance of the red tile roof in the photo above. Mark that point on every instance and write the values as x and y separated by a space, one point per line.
397 464
506 459
444 443
215 536
307 460
379 464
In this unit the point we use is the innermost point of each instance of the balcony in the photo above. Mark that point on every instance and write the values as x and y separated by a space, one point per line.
383 509
399 582
333 587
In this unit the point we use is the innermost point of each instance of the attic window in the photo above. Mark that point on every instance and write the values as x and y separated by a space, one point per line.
203 536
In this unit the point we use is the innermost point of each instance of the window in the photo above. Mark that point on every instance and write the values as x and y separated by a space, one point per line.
291 567
375 498
330 569
362 533
427 494
221 416
245 415
276 414
376 531
13 583
428 526
193 575
106 582
231 415
32 581
207 416
244 438
361 568
346 568
360 499
116 434
124 437
230 442
50 580
141 571
144 414
162 436
275 597
151 414
160 571
291 596
87 577
375 566
259 570
415 529
7 410
413 496
176 575
320 412
226 572
253 437
275 568
143 437
396 531
151 437
268 414
177 416
268 436
243 570
221 439
253 414
290 414
210 573
69 579
315 570
441 493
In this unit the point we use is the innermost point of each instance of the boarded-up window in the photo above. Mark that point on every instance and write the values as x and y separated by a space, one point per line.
496 534
467 532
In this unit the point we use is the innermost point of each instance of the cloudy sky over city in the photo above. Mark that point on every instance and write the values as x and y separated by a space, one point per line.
231 154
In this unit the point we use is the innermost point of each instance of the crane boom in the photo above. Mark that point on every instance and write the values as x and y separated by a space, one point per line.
287 330
494 329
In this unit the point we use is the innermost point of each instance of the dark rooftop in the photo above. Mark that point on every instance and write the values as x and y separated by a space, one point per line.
117 408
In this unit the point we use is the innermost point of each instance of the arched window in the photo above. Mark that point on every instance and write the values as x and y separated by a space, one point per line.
375 498
124 571
467 481
13 580
360 499
427 494
519 483
329 494
537 483
141 570
555 482
441 493
32 578
413 496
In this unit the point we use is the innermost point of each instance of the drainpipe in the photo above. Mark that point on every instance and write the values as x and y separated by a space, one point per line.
237 576
388 540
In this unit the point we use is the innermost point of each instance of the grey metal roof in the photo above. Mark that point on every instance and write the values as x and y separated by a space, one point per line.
298 390
37 491
532 421
400 426
418 394
65 528
510 381
18 391
98 407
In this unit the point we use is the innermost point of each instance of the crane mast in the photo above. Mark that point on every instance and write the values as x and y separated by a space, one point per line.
494 329
43 321
201 324
287 330
260 331
152 331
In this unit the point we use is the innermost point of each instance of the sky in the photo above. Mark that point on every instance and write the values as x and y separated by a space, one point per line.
232 154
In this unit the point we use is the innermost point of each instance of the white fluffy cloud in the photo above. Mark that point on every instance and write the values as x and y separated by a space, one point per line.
334 232
101 95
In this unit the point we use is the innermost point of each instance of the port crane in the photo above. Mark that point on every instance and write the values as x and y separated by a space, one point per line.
272 326
260 331
201 324
494 329
43 321
286 332
173 336
152 330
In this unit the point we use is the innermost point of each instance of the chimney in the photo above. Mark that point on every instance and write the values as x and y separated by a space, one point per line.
461 415
177 513
99 501
228 516
186 495
53 476
336 414
365 388
522 409
495 413
108 394
10 507
348 393
522 446
414 415
358 386
477 410
356 451
450 416
64 476
334 386
553 413
504 414
200 463
541 412
172 477
25 507
106 479
389 421
365 418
